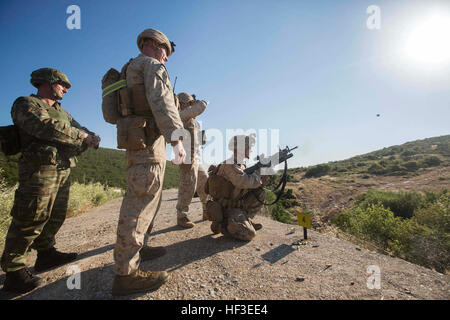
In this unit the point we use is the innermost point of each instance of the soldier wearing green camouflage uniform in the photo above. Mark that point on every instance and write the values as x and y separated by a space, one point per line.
192 174
145 172
50 139
236 193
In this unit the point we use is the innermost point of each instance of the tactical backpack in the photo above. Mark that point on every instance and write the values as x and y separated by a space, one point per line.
111 83
127 107
9 140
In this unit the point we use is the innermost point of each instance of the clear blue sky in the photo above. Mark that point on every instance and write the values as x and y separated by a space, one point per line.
311 69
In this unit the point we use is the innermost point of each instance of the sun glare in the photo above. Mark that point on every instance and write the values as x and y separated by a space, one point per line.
429 41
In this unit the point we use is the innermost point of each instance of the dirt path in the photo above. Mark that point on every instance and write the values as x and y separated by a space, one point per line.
276 265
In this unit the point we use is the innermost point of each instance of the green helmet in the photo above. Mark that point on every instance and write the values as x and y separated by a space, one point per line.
49 75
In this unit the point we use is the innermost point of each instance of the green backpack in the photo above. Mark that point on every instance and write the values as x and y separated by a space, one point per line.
9 140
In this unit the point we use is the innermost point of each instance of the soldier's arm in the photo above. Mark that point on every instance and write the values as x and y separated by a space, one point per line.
36 121
239 178
160 98
192 111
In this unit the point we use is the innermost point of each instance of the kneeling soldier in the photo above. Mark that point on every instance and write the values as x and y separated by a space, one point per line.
236 197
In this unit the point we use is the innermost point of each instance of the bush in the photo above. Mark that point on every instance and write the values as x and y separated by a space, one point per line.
432 161
85 196
6 203
277 211
402 204
317 171
424 239
411 165
376 169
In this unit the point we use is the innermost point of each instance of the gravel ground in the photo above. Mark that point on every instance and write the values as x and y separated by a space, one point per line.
277 264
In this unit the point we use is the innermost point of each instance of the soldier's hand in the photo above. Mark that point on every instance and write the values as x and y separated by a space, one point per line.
93 141
180 153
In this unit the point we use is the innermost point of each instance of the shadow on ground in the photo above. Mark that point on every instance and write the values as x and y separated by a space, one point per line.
96 283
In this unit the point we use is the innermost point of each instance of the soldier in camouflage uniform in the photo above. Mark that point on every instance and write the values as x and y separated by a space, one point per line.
235 193
192 174
146 167
50 140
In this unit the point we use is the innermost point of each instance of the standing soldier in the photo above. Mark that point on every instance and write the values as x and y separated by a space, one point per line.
50 139
236 196
192 174
154 117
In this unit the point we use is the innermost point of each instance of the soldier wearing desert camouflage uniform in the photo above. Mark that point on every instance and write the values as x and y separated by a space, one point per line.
192 174
50 140
146 75
235 196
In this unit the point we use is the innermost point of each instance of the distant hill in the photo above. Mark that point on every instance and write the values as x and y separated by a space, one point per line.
107 166
407 159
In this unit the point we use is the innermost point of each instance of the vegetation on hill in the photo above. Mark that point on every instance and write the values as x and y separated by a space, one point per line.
414 226
82 198
106 166
404 160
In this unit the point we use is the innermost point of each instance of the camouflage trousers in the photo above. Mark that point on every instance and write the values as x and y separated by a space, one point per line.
192 176
239 225
137 213
39 210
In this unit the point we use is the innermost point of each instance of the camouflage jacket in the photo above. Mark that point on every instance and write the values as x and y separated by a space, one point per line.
188 115
48 134
241 181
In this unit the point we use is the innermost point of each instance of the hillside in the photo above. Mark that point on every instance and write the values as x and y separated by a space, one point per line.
277 264
107 166
410 173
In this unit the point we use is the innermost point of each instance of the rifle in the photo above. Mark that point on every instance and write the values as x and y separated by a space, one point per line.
281 156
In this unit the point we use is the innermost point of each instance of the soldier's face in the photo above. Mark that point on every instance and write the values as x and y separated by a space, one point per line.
161 54
59 90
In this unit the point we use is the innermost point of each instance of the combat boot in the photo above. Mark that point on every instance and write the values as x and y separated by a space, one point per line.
51 258
185 222
21 281
150 253
140 281
216 227
205 215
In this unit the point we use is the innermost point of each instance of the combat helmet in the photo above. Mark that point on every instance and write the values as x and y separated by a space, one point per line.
159 37
49 75
185 97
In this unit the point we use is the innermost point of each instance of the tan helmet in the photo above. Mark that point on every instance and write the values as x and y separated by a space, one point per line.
185 97
238 141
158 36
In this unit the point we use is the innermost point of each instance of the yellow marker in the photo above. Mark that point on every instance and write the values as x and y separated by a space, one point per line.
304 220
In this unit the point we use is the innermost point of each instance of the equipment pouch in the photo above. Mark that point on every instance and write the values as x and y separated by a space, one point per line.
40 154
131 133
214 211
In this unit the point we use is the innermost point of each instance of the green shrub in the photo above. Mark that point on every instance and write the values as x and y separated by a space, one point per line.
86 196
6 203
317 171
411 165
424 239
402 204
277 211
376 169
432 161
